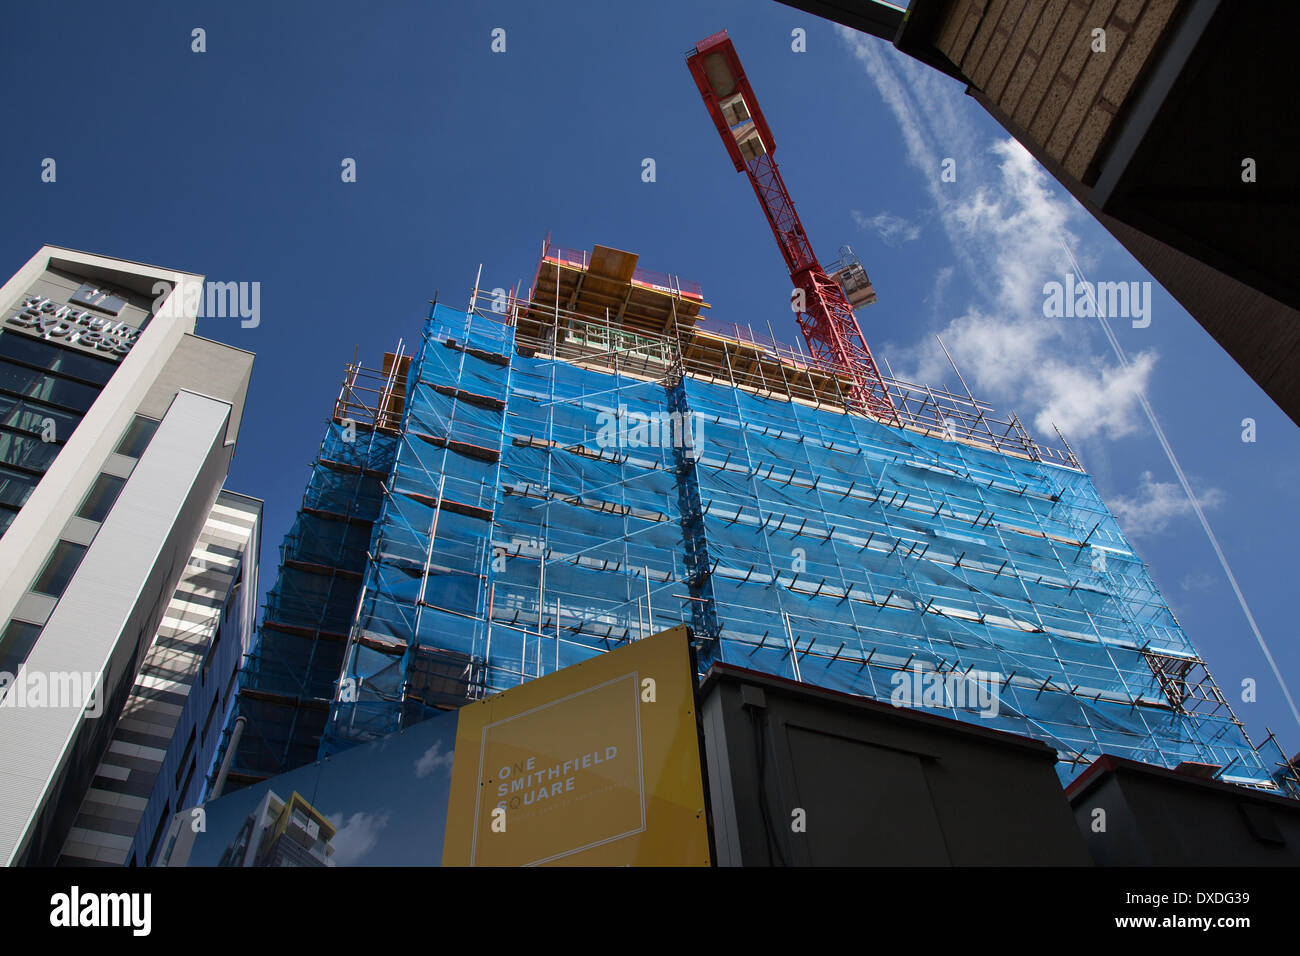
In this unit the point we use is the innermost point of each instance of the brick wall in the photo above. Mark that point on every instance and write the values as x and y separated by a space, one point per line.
1035 60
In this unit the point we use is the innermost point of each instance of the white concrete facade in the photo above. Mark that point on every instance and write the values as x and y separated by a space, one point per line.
106 617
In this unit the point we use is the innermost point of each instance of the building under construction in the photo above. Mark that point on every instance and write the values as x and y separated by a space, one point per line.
474 521
543 477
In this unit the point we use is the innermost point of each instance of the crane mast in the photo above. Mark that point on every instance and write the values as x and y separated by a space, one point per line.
826 318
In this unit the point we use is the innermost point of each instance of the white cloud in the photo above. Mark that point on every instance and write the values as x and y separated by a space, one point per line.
1005 220
1088 402
355 838
433 759
1198 581
1156 504
893 230
939 292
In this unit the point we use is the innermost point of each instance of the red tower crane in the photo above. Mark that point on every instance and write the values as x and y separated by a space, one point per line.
826 318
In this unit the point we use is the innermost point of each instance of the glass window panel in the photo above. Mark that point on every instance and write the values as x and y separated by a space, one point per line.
137 437
101 497
29 416
46 387
56 358
18 640
59 569
15 487
26 451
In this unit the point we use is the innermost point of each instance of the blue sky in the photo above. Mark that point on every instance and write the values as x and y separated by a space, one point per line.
227 163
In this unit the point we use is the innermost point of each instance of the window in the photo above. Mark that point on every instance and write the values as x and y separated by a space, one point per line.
212 712
158 833
212 648
16 487
25 415
18 640
59 568
19 380
100 498
69 363
26 451
44 389
185 759
185 787
137 437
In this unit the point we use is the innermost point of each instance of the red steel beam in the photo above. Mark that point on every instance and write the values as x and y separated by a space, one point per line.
827 321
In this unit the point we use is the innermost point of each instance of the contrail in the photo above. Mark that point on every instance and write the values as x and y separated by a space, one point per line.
1187 488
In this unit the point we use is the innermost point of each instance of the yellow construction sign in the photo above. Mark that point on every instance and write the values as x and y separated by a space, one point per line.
595 765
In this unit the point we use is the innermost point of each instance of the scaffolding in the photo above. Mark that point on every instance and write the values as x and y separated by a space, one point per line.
595 462
290 677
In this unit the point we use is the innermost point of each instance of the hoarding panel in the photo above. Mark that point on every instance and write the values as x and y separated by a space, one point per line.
594 765
597 764
380 804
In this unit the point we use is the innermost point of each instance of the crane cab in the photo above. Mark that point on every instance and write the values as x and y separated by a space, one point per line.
847 272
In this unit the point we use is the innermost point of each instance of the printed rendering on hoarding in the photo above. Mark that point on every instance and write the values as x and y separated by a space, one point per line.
380 804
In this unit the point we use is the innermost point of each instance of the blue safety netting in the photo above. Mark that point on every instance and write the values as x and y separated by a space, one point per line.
852 555
536 515
502 508
293 671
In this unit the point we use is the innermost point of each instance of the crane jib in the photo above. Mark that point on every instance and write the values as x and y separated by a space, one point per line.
826 317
